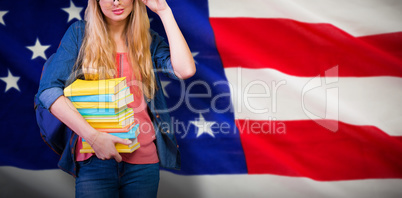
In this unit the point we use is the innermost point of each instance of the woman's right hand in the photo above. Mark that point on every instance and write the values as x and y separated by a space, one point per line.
104 146
102 143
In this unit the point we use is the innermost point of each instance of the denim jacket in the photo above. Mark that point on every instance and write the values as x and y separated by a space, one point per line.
59 68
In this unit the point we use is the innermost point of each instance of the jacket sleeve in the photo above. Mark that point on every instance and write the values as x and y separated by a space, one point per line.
161 55
57 70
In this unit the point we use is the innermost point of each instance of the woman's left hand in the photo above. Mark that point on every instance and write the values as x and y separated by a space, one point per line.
180 54
156 6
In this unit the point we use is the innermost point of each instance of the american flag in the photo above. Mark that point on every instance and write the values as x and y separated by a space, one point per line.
287 91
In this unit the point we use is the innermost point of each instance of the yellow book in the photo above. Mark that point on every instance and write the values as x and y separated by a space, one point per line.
95 87
121 130
111 118
125 149
85 145
113 125
105 105
101 111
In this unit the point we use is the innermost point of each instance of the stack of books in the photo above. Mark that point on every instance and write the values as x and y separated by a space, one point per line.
103 104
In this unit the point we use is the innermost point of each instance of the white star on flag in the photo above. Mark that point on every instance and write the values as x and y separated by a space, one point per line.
194 55
2 13
38 49
203 126
164 84
73 12
11 81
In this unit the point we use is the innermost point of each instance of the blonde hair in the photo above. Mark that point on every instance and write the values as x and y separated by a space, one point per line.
98 50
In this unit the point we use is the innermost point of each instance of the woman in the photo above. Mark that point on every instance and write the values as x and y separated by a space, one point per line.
116 36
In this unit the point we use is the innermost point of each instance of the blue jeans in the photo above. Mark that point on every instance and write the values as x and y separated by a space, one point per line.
107 178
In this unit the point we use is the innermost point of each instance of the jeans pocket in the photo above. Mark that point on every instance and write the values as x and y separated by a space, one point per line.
85 162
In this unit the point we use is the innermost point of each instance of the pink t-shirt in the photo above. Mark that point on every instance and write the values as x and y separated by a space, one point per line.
147 153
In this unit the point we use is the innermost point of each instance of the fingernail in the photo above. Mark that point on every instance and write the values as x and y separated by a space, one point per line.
129 142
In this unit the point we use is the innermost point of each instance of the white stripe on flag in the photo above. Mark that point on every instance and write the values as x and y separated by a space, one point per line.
267 94
357 17
205 185
273 186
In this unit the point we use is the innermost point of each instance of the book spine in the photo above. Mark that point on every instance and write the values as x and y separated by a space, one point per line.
82 87
99 111
101 98
129 135
99 105
92 98
125 149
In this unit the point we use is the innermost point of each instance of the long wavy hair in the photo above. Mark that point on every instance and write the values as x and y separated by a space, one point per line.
97 55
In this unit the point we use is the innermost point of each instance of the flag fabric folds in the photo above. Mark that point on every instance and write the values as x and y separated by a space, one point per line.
288 88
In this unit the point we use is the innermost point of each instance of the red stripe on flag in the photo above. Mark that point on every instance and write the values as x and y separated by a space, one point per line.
390 43
305 149
305 49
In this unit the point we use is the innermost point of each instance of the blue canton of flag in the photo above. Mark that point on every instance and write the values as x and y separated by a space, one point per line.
30 32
